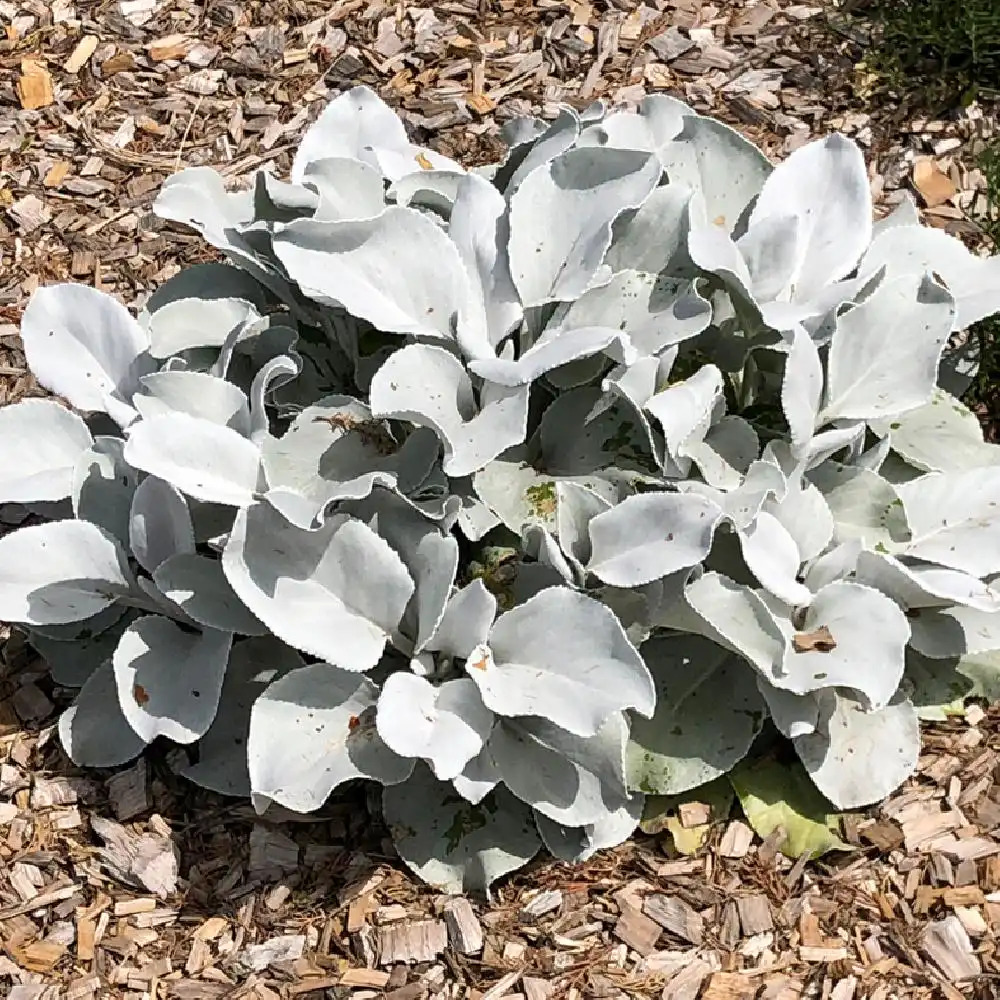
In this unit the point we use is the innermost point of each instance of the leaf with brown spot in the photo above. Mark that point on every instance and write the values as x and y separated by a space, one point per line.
820 640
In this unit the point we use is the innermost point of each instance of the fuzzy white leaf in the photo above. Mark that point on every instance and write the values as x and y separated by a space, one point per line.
203 459
103 487
772 555
430 387
708 712
869 636
93 730
893 370
941 436
465 623
40 444
197 394
579 844
372 268
198 586
651 535
973 281
359 125
305 585
60 572
314 729
573 780
83 345
563 656
169 681
446 725
954 519
222 751
858 757
825 184
561 216
456 846
159 523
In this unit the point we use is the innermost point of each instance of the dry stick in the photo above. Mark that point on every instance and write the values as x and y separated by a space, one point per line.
187 132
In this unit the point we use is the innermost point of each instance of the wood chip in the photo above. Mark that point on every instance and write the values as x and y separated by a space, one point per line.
934 185
947 945
414 941
637 930
81 54
34 87
464 930
755 914
675 916
541 905
736 840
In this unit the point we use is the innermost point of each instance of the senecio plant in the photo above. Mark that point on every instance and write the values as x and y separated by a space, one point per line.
523 492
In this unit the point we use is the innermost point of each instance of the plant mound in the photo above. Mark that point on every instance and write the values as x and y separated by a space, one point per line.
523 491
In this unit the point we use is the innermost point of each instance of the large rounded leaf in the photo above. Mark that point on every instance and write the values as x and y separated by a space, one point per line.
708 713
312 730
159 523
203 459
650 536
857 757
453 845
169 680
83 345
565 657
60 572
222 752
93 730
337 592
446 725
40 444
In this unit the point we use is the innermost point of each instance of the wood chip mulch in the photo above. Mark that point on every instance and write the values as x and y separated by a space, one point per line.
137 885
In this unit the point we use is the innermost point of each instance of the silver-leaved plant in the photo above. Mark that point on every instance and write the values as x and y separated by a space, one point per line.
522 491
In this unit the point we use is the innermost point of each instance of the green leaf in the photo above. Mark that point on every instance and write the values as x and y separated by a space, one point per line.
661 814
778 794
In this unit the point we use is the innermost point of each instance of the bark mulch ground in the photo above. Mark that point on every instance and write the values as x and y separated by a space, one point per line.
136 884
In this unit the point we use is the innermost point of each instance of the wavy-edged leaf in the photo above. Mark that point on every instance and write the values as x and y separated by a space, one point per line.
578 844
857 757
198 586
708 713
561 216
397 270
563 656
93 730
169 681
314 729
429 386
159 523
41 442
650 536
60 572
574 781
825 185
307 588
85 346
445 725
452 844
222 752
203 459
954 519
868 634
103 487
894 370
